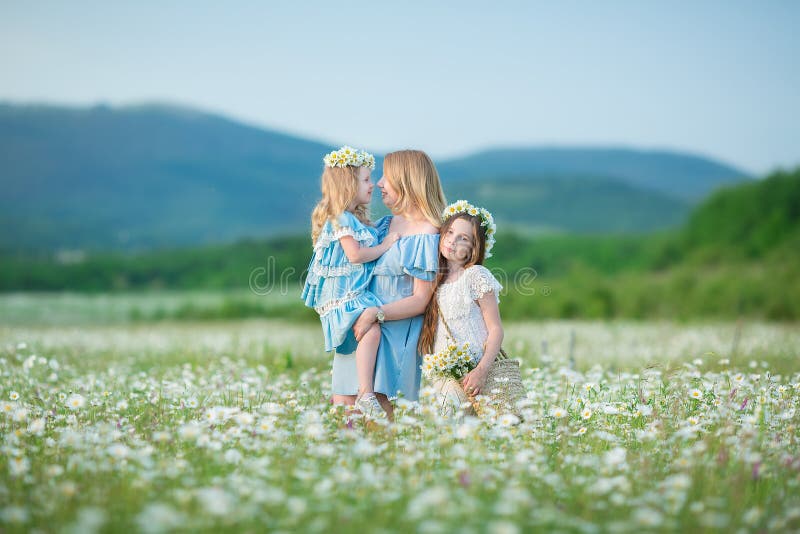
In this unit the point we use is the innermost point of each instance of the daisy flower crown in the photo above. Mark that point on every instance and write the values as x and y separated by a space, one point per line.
462 206
349 157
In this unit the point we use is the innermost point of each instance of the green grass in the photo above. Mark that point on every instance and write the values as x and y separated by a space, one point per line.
72 308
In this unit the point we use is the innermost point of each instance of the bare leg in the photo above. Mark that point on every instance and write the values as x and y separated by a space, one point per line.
345 400
366 353
386 404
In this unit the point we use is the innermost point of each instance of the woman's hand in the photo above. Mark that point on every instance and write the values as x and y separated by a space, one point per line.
474 381
365 322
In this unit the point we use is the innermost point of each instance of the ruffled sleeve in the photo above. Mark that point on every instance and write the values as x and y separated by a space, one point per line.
481 281
419 255
382 226
346 225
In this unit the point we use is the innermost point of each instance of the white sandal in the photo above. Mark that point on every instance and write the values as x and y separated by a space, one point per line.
368 405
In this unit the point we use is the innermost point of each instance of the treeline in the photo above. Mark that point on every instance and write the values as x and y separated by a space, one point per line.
738 255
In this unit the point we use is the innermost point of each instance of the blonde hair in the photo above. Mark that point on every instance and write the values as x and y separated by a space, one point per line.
413 175
477 255
339 189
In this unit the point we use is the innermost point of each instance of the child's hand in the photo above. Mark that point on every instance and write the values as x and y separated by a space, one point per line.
392 237
474 381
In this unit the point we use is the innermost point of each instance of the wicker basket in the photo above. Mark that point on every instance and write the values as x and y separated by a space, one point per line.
502 390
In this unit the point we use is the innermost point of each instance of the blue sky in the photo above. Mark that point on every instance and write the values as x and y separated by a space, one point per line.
715 78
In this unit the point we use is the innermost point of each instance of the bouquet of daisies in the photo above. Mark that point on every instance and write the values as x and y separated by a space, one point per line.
453 361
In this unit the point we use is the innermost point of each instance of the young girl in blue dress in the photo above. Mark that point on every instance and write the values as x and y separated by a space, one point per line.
345 248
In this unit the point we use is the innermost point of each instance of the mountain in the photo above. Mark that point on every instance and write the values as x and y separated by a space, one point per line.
572 203
148 176
683 176
154 176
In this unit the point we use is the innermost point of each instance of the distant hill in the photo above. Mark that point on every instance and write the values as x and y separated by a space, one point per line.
155 176
683 176
148 176
752 219
572 203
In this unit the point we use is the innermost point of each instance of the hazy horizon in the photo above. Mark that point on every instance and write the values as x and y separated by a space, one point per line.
716 79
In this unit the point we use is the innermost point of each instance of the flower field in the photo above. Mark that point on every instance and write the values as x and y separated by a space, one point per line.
228 426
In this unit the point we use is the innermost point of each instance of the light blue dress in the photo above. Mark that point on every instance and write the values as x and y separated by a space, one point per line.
336 288
397 369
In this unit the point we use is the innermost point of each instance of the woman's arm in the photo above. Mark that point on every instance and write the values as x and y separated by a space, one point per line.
357 254
475 380
410 306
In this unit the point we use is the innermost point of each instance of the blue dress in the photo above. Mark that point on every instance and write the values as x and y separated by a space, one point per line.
336 288
397 369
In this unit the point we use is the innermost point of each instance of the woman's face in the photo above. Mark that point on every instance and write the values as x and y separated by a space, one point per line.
457 241
388 193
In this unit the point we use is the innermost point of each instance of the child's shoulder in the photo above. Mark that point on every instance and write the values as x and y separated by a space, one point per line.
480 281
346 224
478 271
348 220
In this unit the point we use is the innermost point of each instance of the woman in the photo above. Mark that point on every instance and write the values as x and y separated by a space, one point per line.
402 280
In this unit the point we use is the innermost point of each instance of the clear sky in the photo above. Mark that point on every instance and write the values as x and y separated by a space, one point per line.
716 78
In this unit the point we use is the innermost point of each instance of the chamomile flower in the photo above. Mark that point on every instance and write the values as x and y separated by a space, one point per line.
118 451
76 401
189 431
36 427
348 156
161 436
244 419
508 419
18 465
14 515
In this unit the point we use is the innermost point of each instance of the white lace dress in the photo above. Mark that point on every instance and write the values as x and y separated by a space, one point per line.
458 306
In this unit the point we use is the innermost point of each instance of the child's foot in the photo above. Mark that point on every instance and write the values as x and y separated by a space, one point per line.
368 405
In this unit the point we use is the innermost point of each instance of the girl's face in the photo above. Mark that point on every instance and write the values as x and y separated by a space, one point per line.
364 191
457 242
388 193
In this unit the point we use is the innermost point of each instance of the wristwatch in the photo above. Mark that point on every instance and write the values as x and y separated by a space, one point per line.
380 316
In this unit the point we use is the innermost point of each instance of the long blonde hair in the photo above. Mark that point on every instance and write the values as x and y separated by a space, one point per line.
339 189
476 257
413 175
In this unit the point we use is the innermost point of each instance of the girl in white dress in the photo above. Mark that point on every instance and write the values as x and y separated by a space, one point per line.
465 306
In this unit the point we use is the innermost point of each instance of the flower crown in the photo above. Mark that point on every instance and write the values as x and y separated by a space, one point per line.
462 206
349 156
